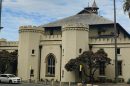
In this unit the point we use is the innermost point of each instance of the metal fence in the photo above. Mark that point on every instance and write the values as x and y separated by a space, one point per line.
54 83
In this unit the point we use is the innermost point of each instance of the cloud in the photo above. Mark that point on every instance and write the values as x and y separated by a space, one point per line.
16 13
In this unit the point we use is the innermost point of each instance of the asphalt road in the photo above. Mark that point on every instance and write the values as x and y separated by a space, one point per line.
22 84
32 84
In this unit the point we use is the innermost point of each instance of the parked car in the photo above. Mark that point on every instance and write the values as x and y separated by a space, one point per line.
9 78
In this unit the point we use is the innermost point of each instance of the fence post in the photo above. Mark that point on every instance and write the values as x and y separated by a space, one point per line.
69 83
89 85
60 83
52 83
79 84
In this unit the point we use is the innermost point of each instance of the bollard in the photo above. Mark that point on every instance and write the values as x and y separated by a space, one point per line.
89 85
69 83
60 83
52 82
79 84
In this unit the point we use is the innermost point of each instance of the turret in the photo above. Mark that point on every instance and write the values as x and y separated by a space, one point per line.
28 52
74 42
93 9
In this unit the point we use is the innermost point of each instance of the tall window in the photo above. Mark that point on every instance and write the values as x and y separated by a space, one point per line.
118 50
102 68
119 67
50 69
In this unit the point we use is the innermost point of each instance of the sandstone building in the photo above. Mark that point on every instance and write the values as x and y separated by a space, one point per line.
44 50
9 46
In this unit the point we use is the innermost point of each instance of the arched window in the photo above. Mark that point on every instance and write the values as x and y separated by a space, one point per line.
50 65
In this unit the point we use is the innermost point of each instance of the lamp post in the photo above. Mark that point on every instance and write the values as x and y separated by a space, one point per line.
0 14
115 42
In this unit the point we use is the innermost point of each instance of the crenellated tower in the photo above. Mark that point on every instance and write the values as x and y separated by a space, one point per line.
74 42
28 58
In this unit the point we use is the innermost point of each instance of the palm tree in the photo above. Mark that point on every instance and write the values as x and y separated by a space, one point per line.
126 6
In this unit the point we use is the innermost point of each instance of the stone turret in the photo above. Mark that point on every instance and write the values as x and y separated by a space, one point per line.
29 42
74 42
93 9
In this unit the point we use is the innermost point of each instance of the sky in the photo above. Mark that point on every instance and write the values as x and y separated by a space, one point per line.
16 13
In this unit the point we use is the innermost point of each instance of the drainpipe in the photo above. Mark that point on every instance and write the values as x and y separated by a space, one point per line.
60 61
39 65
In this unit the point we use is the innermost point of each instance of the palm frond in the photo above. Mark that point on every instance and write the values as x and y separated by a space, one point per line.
126 7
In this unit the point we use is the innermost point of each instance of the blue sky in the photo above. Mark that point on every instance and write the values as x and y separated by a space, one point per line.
16 13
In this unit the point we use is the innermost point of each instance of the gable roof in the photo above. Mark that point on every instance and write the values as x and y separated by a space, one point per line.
88 19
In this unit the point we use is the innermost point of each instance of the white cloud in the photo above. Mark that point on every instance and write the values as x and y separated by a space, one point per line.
36 12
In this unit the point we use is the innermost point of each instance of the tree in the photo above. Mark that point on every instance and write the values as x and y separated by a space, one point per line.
4 60
126 6
8 62
14 61
90 63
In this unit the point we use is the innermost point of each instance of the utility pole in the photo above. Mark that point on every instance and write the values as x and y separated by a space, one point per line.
0 14
115 37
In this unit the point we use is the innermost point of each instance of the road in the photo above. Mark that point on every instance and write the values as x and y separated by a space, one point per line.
32 84
23 84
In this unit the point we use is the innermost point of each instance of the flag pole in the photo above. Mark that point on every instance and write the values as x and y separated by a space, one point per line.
0 14
115 43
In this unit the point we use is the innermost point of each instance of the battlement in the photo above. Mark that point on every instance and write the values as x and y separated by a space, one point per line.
52 37
12 43
80 25
107 40
75 26
30 28
4 42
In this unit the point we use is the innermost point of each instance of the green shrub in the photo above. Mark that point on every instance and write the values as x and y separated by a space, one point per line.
109 80
128 82
114 81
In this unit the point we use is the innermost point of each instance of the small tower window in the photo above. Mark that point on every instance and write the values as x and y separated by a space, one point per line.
31 72
80 50
33 51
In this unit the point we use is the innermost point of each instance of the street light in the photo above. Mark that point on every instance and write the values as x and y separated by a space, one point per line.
0 13
115 37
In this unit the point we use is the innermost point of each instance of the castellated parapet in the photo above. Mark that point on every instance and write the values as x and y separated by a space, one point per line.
75 26
4 42
31 29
